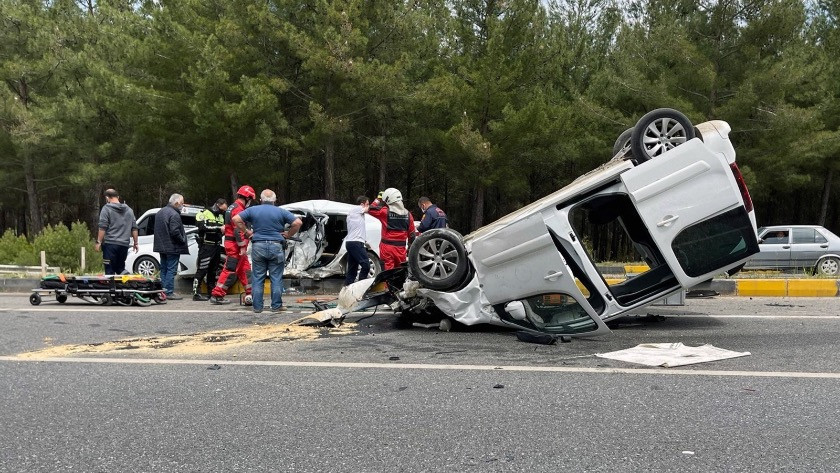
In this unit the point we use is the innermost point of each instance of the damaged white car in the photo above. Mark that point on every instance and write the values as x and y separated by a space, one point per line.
318 251
672 188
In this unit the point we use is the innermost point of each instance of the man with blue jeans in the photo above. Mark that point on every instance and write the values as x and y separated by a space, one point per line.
170 243
268 240
357 257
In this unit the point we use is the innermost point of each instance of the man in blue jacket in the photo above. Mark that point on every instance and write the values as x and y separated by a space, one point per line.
433 216
268 244
170 242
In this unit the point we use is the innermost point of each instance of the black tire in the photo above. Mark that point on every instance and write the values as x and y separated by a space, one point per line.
61 298
659 131
35 298
375 264
622 144
438 259
105 299
829 266
146 266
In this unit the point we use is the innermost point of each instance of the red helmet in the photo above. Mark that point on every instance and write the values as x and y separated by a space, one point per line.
247 191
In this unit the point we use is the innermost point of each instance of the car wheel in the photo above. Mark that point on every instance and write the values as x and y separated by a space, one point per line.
438 259
829 266
659 131
622 144
146 266
375 264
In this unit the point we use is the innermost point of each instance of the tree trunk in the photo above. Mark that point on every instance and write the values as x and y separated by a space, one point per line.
329 170
825 196
287 187
234 183
380 159
478 207
94 199
35 222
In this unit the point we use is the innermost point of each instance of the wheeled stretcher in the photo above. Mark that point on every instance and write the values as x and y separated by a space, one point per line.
131 289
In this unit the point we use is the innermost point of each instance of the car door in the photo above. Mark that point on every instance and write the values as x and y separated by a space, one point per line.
806 247
775 249
690 203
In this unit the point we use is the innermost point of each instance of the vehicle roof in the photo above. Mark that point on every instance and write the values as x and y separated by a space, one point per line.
783 227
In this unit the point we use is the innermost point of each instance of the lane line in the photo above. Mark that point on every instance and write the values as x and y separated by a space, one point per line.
411 366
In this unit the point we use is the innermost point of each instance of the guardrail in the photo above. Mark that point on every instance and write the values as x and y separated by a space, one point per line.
35 270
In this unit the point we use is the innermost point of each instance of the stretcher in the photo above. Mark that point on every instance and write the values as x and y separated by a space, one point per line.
131 289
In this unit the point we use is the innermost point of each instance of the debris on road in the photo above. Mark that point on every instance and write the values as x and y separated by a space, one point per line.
198 343
669 355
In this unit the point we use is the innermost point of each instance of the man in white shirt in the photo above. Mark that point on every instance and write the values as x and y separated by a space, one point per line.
357 258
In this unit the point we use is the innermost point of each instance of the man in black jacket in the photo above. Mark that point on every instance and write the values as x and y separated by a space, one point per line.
170 242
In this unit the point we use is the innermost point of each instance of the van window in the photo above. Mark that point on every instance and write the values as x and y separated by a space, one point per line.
552 313
714 243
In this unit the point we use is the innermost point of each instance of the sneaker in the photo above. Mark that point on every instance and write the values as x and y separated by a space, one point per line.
174 297
218 300
257 311
200 297
282 308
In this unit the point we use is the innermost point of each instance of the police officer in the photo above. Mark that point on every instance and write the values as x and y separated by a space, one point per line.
210 223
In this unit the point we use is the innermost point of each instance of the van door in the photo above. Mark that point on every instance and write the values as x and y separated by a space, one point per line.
689 201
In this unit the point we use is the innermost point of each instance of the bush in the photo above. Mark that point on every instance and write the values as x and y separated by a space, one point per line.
63 248
16 249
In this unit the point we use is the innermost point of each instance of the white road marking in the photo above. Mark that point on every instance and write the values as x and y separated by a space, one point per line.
411 366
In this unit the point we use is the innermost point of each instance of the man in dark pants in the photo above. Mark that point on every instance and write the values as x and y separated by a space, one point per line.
170 243
210 224
357 258
116 225
433 216
268 241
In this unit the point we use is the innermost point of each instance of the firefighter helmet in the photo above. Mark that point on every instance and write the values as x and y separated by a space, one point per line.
247 191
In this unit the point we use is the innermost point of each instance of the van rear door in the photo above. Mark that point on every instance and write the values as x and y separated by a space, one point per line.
691 204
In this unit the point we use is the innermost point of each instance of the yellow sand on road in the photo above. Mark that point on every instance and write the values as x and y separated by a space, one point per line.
197 343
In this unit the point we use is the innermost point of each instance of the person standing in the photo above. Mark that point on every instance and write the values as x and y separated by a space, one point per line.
117 226
210 223
357 258
236 246
433 216
268 243
170 243
397 227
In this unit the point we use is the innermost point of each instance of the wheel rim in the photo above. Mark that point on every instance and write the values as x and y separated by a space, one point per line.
438 259
663 135
829 267
146 268
625 147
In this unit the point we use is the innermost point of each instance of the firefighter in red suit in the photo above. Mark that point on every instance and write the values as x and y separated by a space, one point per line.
236 244
397 227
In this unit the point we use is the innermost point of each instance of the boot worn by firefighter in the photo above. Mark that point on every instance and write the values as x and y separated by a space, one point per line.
197 296
218 300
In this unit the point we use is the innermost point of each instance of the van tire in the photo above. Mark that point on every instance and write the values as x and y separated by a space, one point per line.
438 260
660 131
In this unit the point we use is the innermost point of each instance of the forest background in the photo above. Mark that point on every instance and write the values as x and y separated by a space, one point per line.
482 105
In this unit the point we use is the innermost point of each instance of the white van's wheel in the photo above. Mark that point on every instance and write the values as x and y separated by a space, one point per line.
438 259
146 266
660 131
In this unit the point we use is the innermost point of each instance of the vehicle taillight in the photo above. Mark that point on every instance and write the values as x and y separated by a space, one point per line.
745 193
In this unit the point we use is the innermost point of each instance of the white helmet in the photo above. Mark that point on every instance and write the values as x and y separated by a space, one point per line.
391 196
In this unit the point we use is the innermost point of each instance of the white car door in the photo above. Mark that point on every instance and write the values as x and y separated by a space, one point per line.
691 205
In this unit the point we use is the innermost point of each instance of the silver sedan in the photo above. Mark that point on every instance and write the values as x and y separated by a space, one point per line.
788 247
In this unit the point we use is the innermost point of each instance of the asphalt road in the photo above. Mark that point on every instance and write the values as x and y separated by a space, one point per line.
202 388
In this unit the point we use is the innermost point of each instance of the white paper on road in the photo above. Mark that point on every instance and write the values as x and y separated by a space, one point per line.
669 355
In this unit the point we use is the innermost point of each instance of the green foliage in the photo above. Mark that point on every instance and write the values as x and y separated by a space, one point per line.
63 247
16 249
